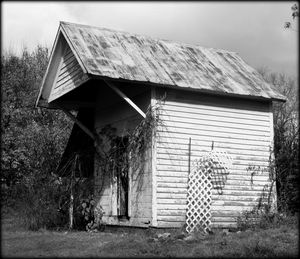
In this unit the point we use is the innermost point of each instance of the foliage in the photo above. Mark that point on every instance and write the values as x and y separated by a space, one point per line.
262 218
32 139
85 215
116 153
263 214
255 218
286 141
266 200
77 199
283 168
92 214
295 14
37 202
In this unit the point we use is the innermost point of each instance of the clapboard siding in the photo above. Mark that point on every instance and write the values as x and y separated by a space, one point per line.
242 128
102 189
227 189
183 136
217 132
229 127
176 149
182 158
182 165
208 115
248 107
199 144
174 170
233 180
69 75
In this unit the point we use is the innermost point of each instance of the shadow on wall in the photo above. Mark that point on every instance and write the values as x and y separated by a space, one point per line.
218 177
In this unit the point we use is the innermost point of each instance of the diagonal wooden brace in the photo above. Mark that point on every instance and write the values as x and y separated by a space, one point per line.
79 123
117 90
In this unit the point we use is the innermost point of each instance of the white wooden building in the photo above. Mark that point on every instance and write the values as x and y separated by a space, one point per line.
211 96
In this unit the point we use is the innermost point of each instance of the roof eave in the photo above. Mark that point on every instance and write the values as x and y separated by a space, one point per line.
191 89
47 69
73 48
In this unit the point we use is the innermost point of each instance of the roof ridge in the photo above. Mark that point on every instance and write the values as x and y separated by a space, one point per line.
150 37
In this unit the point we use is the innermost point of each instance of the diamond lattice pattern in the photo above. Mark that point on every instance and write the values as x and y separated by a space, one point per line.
199 198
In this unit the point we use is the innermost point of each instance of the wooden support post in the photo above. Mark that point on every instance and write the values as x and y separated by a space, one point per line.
71 207
117 90
129 186
190 147
273 189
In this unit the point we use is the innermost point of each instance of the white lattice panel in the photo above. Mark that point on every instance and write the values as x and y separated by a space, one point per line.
199 197
198 215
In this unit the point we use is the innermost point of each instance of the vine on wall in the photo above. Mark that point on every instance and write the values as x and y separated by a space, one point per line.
114 154
128 152
265 212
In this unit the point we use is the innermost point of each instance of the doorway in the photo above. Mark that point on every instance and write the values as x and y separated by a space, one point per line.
121 179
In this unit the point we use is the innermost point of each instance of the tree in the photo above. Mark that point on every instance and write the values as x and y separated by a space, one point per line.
32 139
295 14
286 140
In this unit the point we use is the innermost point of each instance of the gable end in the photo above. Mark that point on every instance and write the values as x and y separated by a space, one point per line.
69 75
63 73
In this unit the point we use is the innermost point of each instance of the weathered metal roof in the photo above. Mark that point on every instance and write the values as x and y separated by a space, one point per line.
115 54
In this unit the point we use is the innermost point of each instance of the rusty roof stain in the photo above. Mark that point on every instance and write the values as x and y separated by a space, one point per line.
116 54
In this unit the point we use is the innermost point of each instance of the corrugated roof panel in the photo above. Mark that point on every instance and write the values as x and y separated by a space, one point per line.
116 54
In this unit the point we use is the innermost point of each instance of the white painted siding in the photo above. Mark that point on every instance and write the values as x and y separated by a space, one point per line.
240 127
69 75
124 118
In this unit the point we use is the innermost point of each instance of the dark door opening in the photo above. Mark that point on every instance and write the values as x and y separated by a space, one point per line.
121 173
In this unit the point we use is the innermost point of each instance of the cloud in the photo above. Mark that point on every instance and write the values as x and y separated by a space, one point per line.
254 30
29 24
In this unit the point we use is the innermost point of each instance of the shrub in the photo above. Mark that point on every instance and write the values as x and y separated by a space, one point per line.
44 202
262 219
91 215
33 141
37 203
286 141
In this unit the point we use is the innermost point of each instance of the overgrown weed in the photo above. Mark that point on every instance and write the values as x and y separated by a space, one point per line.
260 219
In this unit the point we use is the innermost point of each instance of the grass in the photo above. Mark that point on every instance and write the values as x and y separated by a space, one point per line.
281 241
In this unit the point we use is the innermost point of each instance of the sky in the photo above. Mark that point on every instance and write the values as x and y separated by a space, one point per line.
255 30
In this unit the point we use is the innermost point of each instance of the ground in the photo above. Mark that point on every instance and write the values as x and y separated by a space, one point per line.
119 242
